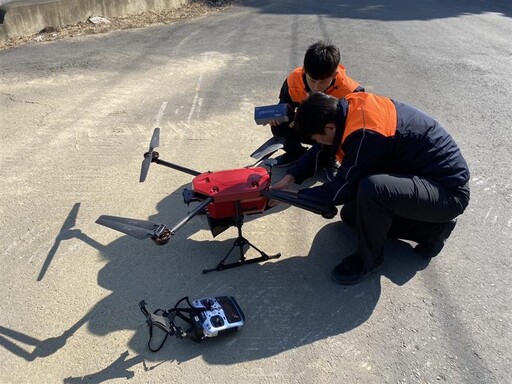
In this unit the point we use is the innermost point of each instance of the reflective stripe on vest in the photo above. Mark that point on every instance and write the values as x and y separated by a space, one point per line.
368 111
343 85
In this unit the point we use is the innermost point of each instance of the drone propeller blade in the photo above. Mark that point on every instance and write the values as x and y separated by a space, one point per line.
145 224
155 140
140 229
268 148
148 156
145 167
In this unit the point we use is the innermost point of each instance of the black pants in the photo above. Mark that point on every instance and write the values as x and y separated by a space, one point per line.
403 207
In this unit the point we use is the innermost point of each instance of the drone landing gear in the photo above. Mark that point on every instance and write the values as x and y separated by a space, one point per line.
240 242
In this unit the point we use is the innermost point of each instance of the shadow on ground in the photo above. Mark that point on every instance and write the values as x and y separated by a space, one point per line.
393 10
295 287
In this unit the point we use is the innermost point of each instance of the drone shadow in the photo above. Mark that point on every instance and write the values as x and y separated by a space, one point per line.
288 302
68 231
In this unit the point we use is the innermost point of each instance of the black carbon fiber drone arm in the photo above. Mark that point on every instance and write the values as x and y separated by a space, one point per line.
319 207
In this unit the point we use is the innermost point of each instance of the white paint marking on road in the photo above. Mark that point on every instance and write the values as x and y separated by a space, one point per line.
179 134
199 105
160 113
196 99
488 213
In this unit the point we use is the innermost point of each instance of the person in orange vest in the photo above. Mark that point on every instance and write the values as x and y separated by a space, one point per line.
321 72
401 174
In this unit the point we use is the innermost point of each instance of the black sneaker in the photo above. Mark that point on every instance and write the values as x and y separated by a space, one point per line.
286 160
351 270
437 238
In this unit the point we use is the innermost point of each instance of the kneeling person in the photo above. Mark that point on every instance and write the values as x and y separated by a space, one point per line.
401 174
321 72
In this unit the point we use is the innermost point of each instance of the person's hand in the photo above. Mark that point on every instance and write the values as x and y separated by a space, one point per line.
284 183
272 123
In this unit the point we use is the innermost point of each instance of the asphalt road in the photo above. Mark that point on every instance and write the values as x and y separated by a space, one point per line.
76 116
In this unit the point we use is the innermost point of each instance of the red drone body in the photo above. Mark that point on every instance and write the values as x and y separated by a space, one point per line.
226 188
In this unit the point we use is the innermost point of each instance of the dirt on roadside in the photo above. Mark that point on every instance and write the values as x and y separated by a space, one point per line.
93 26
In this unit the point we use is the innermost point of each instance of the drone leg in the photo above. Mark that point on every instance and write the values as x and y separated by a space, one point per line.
240 242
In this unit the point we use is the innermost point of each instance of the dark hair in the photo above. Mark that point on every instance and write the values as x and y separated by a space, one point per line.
314 113
321 60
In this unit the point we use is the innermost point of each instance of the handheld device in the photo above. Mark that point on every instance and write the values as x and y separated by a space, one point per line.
206 317
267 113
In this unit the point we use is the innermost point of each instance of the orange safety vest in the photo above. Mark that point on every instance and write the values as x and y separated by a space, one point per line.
343 85
368 111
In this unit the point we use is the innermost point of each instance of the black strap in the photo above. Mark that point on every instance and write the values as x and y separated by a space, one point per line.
158 324
164 320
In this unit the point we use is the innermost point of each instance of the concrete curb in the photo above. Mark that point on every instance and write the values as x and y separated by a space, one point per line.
27 17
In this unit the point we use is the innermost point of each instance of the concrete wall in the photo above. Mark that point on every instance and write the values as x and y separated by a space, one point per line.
27 17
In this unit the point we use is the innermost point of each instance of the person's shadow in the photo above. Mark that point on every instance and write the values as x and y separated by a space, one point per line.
292 301
288 302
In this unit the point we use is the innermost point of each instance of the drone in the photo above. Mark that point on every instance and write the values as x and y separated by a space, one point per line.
225 197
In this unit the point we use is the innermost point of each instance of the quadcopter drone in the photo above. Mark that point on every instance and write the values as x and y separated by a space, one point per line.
225 197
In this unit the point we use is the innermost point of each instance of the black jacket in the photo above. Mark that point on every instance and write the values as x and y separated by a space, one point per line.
420 147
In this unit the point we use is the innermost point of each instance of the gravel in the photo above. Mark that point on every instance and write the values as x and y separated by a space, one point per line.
91 26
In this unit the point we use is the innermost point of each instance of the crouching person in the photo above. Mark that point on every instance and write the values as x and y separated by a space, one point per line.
401 174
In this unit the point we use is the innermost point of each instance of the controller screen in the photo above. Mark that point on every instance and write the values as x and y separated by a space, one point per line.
231 312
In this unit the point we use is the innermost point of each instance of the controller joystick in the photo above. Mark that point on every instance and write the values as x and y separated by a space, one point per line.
208 303
217 321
